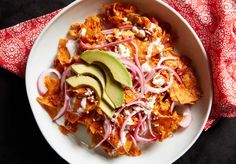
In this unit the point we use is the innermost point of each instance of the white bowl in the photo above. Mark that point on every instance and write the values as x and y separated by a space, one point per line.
43 53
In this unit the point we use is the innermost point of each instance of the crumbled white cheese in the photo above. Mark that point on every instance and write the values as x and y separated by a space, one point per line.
83 102
146 67
119 144
71 46
152 101
125 19
113 119
146 111
80 110
123 51
149 51
123 139
117 148
130 121
83 32
152 27
127 112
156 125
158 43
89 92
139 33
92 99
135 29
159 81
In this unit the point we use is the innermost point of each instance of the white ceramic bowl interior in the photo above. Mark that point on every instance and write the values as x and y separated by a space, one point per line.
43 53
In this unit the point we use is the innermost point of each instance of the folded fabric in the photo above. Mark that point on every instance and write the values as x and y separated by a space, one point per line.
214 21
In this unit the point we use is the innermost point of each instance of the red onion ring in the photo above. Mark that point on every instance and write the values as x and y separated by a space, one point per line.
40 82
150 76
139 138
110 31
135 102
139 73
86 47
142 79
122 129
166 68
65 106
164 59
163 67
136 55
133 139
160 90
136 84
150 125
143 126
63 109
107 129
65 74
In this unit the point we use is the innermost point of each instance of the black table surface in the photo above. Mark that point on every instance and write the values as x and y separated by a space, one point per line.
20 138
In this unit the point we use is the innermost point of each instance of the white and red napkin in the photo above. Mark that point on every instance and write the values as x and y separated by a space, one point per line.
213 20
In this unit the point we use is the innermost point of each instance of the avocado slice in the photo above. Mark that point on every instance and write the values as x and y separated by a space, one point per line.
77 81
117 69
106 109
113 88
83 69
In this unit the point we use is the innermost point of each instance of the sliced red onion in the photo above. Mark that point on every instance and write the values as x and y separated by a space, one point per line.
150 76
87 47
160 90
164 59
135 102
137 62
136 55
122 129
163 68
136 84
187 118
65 74
149 120
139 74
107 129
63 109
136 133
143 126
72 101
133 139
172 107
40 82
132 71
111 31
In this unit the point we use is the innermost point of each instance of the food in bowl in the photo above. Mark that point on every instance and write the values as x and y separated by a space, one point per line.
118 74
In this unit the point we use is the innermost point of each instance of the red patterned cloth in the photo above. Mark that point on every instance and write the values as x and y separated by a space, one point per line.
213 20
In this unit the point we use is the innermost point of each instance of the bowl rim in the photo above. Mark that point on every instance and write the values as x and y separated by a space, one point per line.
162 3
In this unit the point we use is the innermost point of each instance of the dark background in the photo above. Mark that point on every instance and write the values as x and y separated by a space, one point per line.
20 138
